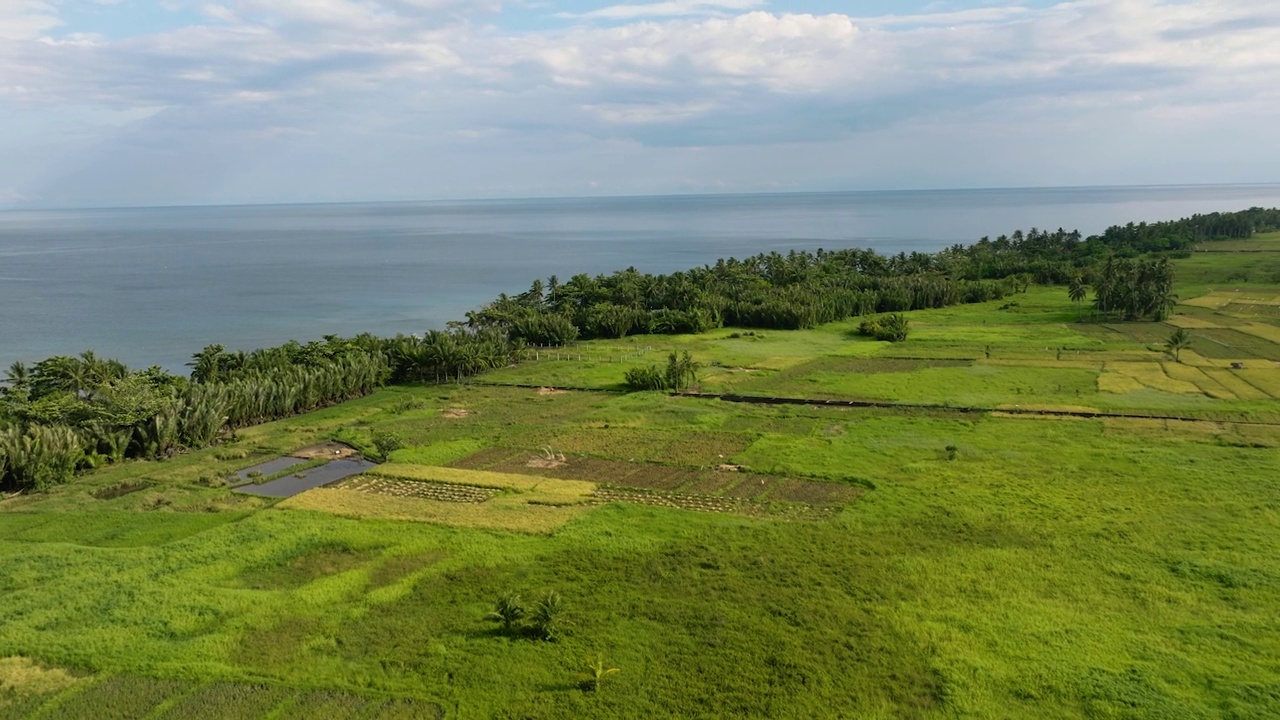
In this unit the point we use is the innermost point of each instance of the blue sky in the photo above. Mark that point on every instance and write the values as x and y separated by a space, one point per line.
140 102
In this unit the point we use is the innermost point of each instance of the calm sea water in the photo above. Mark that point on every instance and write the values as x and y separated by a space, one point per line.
151 286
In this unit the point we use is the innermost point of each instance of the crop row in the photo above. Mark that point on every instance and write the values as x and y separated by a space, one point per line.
708 503
443 492
705 503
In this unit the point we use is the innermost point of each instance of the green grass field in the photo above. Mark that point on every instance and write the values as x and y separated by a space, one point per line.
965 564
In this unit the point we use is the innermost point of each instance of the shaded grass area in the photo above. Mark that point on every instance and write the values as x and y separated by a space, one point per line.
306 565
127 697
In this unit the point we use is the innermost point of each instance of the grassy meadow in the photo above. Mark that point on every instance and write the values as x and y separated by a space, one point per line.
939 559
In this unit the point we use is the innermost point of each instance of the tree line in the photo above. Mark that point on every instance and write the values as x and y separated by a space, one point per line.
805 289
794 291
65 414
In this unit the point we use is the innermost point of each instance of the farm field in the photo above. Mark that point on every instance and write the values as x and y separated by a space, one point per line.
1026 351
730 559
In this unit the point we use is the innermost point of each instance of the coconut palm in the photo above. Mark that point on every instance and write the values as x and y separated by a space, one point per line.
1177 342
548 616
509 610
1078 290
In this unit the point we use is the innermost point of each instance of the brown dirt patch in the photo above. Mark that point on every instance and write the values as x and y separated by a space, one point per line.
710 483
750 487
545 464
658 477
551 391
485 459
454 413
330 450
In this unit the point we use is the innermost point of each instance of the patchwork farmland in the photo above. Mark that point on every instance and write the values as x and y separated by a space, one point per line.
959 551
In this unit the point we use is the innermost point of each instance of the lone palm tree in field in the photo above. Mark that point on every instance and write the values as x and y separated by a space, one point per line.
1177 342
1078 291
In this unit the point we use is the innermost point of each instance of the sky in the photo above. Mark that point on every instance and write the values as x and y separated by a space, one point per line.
161 102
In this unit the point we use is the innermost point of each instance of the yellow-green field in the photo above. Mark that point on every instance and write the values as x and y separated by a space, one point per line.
1034 353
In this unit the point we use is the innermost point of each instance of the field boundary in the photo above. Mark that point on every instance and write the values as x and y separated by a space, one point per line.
771 400
890 405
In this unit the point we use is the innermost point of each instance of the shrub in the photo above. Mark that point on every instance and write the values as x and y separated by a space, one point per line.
891 328
646 378
387 442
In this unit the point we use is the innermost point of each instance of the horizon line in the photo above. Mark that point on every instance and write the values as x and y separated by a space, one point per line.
531 198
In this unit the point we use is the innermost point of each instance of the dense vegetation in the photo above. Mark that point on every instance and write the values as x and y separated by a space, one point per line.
68 413
803 290
1135 289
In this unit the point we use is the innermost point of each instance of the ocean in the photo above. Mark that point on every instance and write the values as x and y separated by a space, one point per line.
151 286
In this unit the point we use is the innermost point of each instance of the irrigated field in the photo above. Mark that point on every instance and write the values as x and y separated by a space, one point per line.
924 560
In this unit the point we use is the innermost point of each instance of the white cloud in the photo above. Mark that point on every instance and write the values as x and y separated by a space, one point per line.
26 19
425 73
670 8
625 113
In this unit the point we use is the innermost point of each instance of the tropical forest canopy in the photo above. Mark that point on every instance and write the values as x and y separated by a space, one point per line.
66 414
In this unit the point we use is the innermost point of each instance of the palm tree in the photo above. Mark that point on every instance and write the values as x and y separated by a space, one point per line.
1078 290
1165 301
548 616
205 365
682 371
18 373
1177 342
509 610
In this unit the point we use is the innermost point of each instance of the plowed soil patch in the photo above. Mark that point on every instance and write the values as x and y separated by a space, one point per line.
485 459
665 479
712 483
